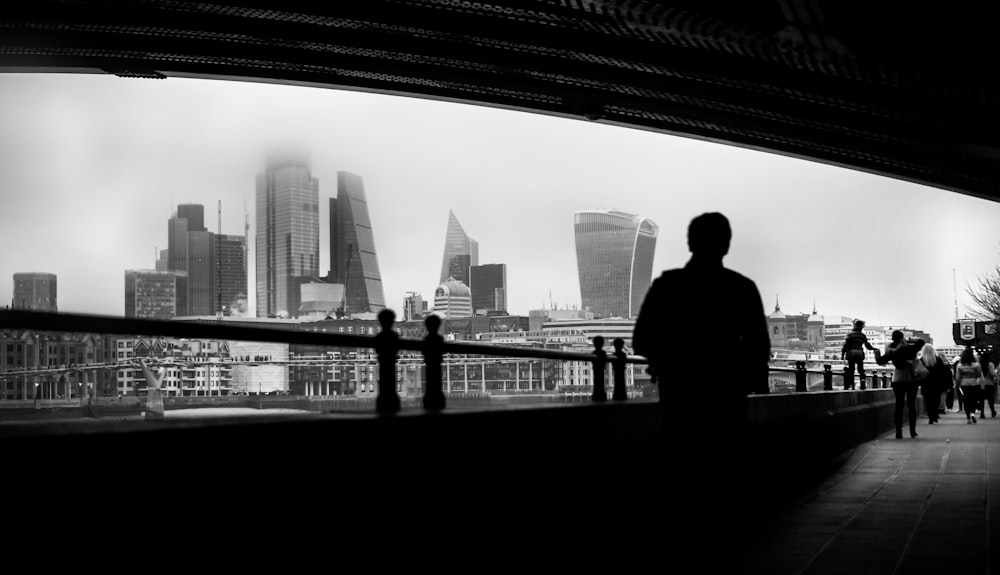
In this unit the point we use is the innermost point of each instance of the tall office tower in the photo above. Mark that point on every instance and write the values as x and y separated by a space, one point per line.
287 235
460 252
191 249
151 294
231 270
35 291
353 261
614 257
489 288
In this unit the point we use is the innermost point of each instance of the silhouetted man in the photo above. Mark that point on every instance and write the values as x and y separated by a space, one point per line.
703 329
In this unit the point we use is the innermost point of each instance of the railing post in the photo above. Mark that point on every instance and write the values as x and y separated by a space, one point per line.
618 370
600 358
800 376
848 378
387 347
885 380
827 377
433 356
874 381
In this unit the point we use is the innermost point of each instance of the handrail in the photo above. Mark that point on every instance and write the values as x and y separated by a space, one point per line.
280 333
386 344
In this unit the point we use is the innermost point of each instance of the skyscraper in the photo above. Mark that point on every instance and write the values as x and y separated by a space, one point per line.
353 260
231 269
489 288
287 235
35 291
191 249
460 252
614 257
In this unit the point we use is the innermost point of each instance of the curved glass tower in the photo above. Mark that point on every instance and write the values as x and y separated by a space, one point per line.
614 257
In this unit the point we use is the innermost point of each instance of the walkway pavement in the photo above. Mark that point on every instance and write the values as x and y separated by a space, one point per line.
929 504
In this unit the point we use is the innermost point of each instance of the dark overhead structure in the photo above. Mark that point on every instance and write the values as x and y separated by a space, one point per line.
906 90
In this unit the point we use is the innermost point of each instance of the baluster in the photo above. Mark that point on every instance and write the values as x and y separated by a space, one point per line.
827 377
600 357
800 376
618 371
433 356
387 347
848 378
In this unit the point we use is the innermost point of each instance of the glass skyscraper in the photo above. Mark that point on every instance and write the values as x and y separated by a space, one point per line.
460 252
614 257
351 238
287 234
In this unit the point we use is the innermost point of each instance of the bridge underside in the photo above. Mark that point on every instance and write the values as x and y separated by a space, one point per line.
861 85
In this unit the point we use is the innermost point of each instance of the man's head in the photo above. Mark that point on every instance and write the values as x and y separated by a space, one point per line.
709 235
859 324
897 335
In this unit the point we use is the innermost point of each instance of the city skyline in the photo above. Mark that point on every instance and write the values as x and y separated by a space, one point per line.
856 243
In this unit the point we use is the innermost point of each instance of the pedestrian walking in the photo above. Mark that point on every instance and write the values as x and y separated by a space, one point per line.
902 353
969 374
988 386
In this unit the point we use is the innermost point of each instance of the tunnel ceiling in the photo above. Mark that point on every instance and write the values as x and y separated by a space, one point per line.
912 95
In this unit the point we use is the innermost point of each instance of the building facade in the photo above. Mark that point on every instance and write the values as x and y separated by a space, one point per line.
353 259
35 291
460 252
489 288
614 256
453 299
231 266
151 294
191 249
287 234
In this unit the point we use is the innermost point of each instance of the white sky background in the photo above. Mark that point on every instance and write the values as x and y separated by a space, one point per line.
91 168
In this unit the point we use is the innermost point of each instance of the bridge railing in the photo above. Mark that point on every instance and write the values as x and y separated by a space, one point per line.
799 377
387 345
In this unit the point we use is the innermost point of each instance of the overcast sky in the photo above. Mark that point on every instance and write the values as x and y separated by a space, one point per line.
91 168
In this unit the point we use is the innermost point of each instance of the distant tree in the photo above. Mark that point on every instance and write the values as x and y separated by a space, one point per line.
985 295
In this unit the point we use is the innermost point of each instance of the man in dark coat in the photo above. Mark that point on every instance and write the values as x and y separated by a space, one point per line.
703 329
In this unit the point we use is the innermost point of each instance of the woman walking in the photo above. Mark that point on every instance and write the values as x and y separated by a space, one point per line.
902 352
988 387
935 383
968 375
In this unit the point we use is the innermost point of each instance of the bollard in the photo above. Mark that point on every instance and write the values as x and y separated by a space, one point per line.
618 371
885 380
600 358
827 377
433 354
387 346
848 378
800 376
